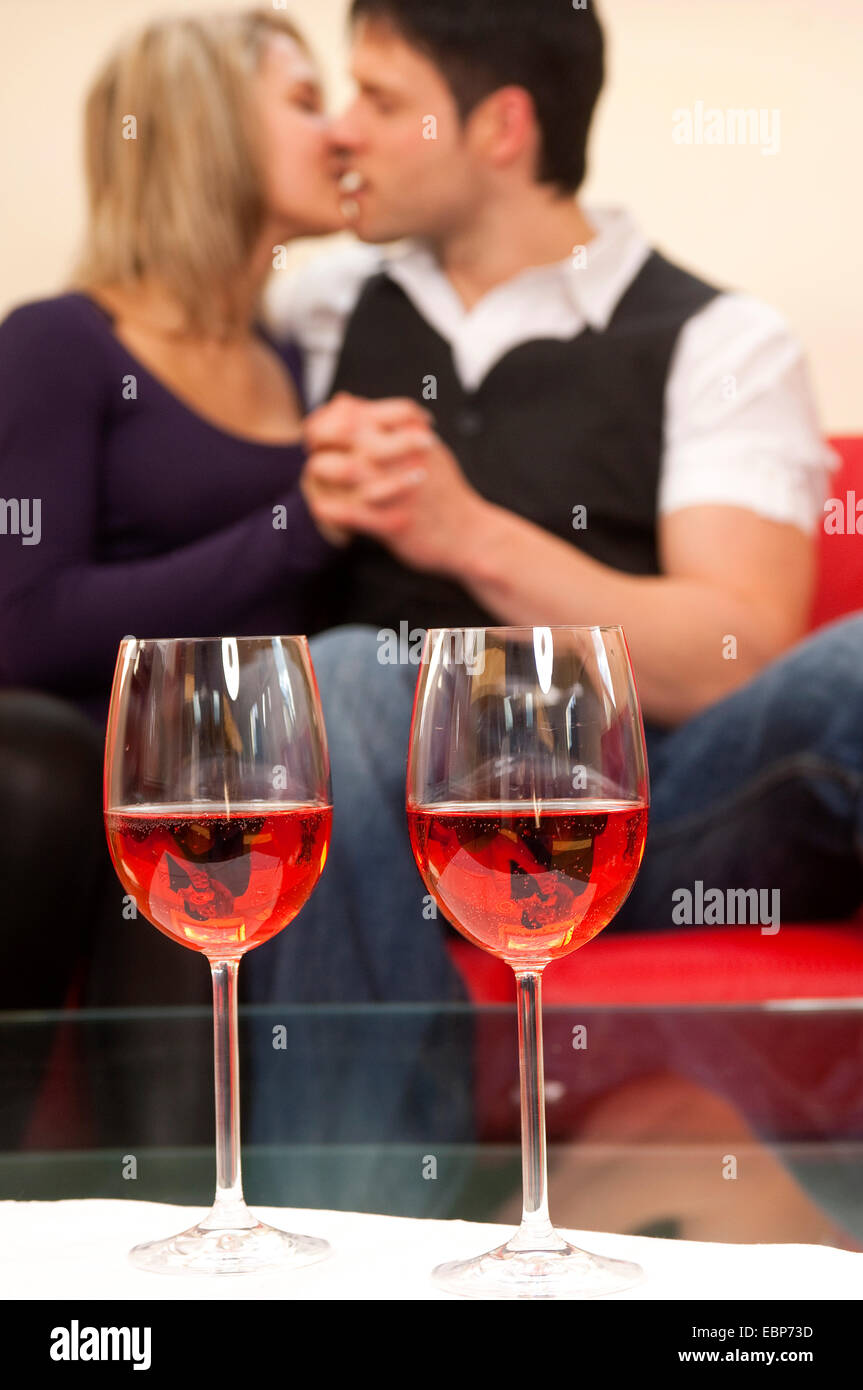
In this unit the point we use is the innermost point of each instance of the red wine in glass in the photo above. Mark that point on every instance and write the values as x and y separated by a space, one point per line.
529 886
527 806
220 881
218 808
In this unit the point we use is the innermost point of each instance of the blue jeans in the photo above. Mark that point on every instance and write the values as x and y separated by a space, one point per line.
358 1078
762 790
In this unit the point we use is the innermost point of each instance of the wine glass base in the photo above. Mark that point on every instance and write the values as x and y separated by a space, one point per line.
567 1272
255 1249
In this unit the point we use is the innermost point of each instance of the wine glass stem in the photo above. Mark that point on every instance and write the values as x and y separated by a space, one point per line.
229 1208
536 1230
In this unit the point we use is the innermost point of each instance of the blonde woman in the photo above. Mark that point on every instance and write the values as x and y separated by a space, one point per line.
148 427
150 452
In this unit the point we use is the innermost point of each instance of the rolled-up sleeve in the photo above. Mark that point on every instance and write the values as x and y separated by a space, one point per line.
741 427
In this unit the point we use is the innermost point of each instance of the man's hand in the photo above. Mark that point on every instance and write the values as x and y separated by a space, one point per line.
378 468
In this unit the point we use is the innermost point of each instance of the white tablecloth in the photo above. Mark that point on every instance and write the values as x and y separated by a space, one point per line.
78 1250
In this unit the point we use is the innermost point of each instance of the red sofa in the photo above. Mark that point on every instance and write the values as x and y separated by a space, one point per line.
726 964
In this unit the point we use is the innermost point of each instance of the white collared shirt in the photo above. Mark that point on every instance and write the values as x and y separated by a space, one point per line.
740 425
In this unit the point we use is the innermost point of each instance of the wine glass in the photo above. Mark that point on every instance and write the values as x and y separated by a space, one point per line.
527 798
218 812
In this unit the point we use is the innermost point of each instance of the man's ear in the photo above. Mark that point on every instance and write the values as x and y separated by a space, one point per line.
503 128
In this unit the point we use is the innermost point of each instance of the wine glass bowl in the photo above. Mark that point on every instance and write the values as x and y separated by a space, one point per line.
220 881
529 886
218 814
527 807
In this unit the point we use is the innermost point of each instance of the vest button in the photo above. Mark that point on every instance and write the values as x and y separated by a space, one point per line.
469 422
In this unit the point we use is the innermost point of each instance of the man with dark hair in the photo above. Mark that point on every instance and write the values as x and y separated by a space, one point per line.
614 440
554 55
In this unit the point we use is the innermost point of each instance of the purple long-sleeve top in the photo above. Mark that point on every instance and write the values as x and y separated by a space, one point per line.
125 511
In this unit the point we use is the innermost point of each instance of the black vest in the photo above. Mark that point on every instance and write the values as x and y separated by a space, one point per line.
554 427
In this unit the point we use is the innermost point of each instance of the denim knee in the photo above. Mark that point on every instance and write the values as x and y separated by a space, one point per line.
359 689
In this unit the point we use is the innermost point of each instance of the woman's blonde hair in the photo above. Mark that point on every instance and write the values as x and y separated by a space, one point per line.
174 177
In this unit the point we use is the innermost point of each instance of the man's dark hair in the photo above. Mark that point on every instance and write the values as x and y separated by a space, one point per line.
553 50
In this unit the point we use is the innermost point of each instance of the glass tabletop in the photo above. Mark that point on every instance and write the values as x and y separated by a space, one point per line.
738 1123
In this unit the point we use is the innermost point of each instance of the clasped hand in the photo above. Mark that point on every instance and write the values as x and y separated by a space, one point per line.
378 468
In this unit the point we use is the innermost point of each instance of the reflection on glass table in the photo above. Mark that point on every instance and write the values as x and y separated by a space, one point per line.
740 1123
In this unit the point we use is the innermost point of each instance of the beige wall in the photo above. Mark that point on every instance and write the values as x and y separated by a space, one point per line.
785 226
